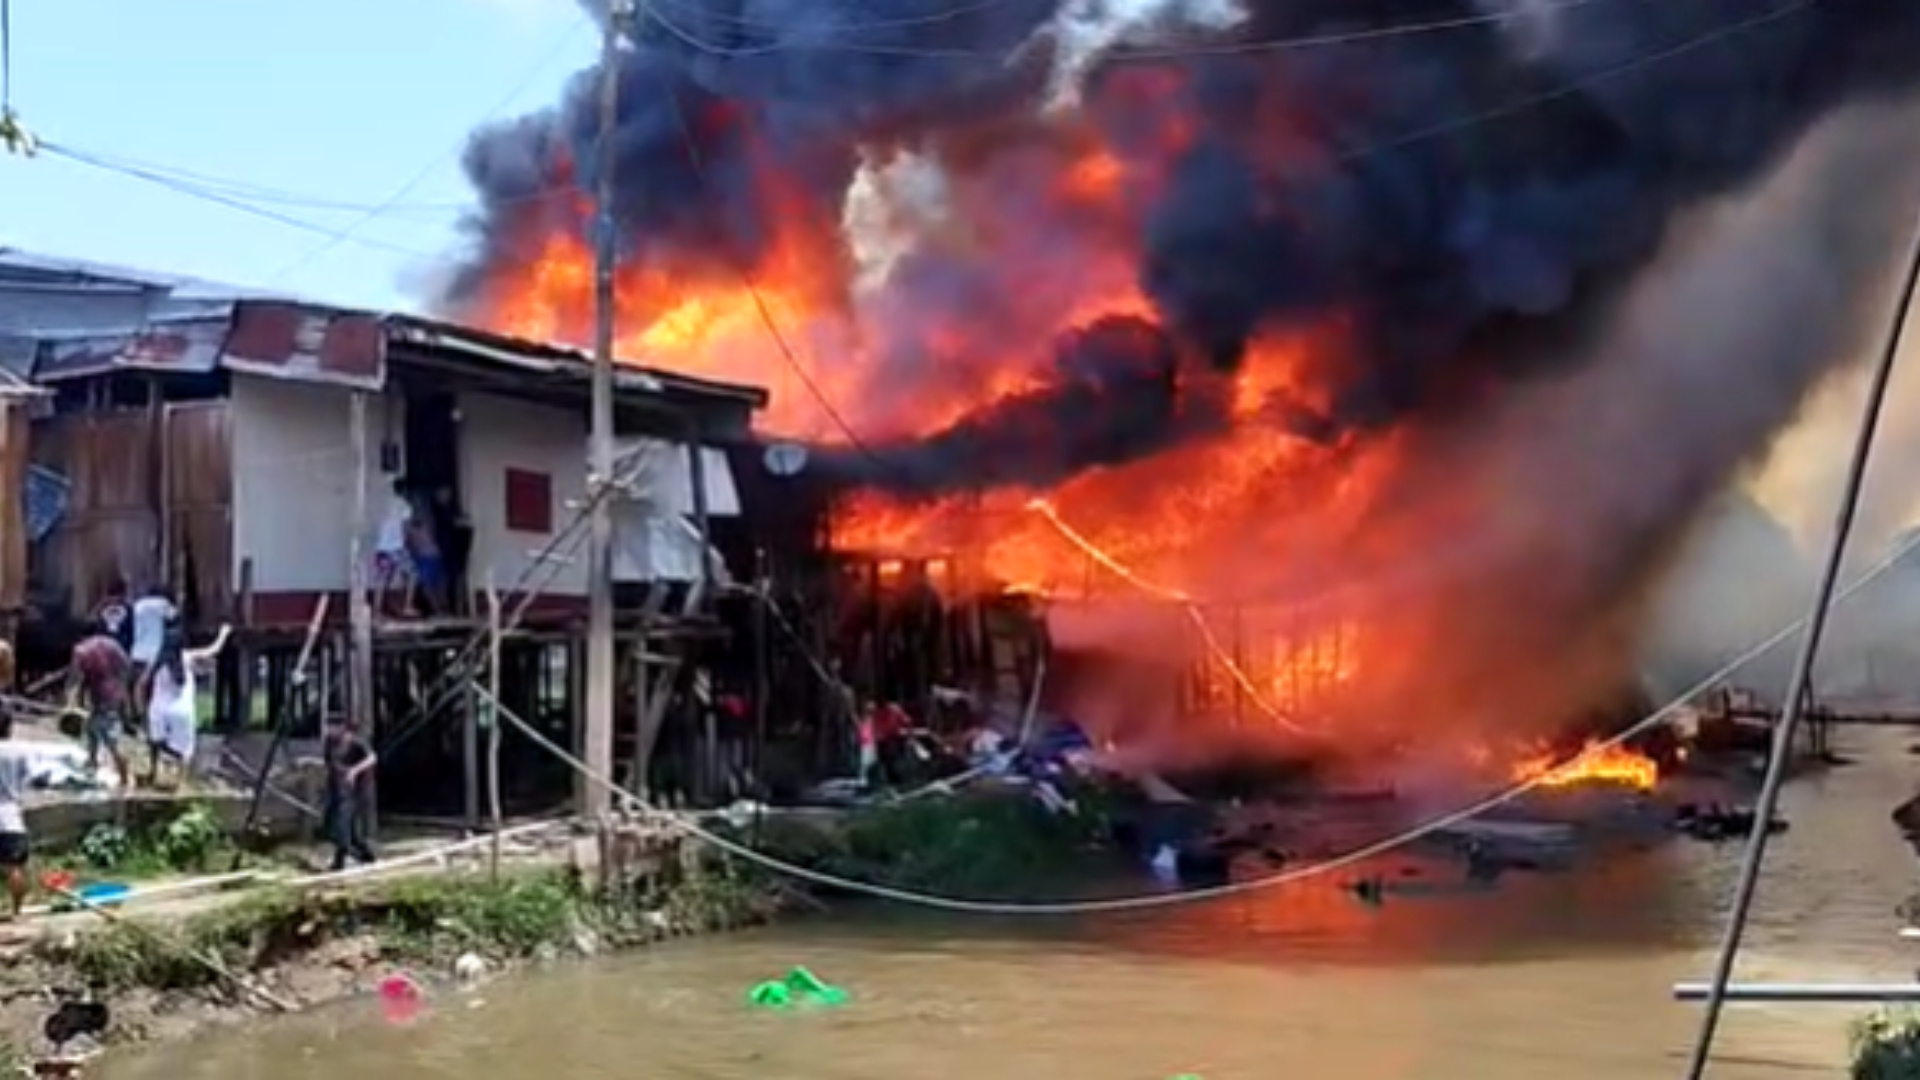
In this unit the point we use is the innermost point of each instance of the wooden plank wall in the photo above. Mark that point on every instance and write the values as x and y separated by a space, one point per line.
197 546
14 435
114 531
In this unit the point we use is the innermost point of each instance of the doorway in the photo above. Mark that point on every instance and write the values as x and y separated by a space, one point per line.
431 449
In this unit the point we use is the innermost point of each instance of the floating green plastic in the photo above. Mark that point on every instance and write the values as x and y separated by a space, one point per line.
800 987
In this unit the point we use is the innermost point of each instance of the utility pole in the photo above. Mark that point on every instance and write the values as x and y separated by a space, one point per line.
602 660
1717 991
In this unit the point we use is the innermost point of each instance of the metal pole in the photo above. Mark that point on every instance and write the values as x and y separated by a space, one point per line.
1804 993
601 660
1797 688
494 632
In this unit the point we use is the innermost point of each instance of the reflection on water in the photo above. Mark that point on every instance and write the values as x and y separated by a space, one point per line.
1562 975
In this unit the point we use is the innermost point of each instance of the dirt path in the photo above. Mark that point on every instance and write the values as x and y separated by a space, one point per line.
180 903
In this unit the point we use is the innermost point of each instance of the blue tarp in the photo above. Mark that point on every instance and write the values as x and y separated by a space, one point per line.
47 496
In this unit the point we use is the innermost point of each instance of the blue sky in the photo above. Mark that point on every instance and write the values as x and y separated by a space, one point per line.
278 106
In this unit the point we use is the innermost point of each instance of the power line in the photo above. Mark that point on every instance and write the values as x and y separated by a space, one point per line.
1195 49
901 22
1487 116
698 161
1148 901
386 205
1800 686
6 56
243 190
239 205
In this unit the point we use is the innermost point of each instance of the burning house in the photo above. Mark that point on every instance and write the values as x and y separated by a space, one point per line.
1371 359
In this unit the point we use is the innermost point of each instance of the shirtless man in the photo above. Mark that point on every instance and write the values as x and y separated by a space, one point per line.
100 673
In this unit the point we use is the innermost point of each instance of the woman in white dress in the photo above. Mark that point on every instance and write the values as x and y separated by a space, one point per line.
172 697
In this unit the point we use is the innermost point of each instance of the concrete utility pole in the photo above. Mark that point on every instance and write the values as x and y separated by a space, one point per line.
1799 689
602 658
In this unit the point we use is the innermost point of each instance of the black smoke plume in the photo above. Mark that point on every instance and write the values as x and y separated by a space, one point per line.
1118 380
1452 193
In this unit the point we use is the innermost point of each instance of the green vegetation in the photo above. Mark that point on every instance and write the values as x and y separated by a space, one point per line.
977 845
191 842
1886 1046
419 920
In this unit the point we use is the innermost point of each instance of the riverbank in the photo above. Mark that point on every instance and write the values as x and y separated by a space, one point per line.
172 968
285 949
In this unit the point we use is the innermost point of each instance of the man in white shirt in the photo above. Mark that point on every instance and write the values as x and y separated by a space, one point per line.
151 614
392 567
15 772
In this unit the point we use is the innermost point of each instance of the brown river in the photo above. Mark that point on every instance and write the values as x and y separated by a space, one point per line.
1562 975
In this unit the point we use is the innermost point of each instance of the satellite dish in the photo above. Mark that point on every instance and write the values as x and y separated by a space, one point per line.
786 459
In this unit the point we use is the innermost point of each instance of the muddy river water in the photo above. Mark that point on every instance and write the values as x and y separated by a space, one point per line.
1564 976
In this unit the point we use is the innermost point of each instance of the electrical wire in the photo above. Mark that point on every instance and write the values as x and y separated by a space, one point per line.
6 57
1140 52
1638 63
698 162
898 23
1148 901
241 206
230 188
1194 612
390 202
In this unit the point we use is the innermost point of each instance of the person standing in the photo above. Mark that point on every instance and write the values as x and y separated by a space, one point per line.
349 761
429 564
15 845
393 570
170 691
113 616
152 614
99 674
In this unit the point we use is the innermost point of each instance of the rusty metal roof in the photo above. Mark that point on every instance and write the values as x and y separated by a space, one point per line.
92 319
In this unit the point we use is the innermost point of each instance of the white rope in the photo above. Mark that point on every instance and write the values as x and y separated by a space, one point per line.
1170 899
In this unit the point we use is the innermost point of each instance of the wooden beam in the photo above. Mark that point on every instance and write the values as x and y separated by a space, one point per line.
360 703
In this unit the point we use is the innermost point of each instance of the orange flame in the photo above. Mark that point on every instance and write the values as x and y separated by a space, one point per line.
1257 550
1598 763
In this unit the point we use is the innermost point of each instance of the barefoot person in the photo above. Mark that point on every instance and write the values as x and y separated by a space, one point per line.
173 707
101 669
14 848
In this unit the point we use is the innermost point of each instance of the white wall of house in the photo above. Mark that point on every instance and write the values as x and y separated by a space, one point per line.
293 501
293 471
498 434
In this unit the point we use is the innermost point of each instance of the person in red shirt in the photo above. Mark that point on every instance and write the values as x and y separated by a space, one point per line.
884 728
99 673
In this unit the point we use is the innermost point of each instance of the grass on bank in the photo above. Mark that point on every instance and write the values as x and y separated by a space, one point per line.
1886 1046
424 921
976 845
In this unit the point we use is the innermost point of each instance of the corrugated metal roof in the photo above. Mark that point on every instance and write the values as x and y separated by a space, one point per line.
29 267
89 318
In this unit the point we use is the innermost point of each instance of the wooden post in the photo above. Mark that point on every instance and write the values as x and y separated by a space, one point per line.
14 427
762 596
244 668
360 703
158 496
493 717
576 703
470 756
642 756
